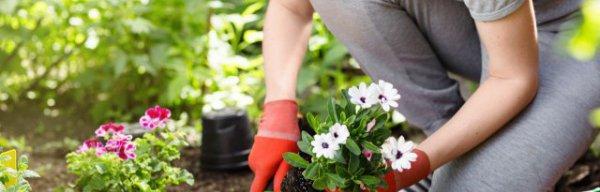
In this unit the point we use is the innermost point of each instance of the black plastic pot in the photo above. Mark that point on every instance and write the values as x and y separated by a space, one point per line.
226 140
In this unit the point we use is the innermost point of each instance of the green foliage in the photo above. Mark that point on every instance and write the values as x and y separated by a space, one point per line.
586 39
110 57
151 170
21 174
14 143
595 118
349 170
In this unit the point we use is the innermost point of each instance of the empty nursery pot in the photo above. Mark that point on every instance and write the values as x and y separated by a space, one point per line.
227 139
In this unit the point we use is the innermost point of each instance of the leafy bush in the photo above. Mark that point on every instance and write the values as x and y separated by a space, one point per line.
19 175
144 164
586 38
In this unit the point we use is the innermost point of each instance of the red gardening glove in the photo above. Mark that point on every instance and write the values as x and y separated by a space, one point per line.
278 133
419 169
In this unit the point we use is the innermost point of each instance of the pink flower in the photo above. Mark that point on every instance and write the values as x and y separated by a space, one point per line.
122 146
368 154
92 143
127 151
116 142
109 128
155 117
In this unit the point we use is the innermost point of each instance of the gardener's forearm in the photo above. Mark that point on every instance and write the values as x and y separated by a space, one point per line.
513 76
491 106
286 32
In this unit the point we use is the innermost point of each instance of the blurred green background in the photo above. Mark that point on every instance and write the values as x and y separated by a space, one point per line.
67 66
71 64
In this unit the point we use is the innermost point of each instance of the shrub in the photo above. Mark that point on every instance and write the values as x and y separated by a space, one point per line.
123 164
18 175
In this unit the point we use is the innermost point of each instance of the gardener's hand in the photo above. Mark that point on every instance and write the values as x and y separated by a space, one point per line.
277 133
419 169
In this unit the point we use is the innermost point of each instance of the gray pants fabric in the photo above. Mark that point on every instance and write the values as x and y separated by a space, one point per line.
414 44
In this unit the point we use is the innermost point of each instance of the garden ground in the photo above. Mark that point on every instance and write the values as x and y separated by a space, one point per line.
49 146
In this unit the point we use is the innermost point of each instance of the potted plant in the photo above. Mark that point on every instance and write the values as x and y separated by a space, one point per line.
348 150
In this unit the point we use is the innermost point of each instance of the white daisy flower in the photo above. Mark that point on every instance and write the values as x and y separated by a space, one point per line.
340 133
386 95
362 95
324 145
399 153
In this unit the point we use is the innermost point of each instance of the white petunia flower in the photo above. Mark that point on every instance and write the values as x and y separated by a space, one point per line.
340 133
324 145
362 95
399 153
386 95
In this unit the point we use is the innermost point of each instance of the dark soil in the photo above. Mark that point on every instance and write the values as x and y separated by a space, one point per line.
295 182
39 130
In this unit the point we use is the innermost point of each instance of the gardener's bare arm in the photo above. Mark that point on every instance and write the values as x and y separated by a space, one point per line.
287 29
511 44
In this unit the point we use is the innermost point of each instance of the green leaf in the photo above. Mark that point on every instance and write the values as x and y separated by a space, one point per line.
339 157
335 54
354 163
332 111
370 146
319 184
306 137
339 181
295 160
370 180
311 171
305 147
352 146
595 118
30 174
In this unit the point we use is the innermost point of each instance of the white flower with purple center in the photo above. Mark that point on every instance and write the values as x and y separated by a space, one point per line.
325 145
362 95
340 133
399 152
386 95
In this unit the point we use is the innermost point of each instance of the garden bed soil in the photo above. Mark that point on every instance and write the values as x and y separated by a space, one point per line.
585 175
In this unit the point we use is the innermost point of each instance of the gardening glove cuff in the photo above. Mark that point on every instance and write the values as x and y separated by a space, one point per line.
280 120
278 132
419 169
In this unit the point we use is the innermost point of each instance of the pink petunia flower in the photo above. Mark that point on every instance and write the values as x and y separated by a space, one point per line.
368 154
127 151
116 142
109 128
155 117
92 143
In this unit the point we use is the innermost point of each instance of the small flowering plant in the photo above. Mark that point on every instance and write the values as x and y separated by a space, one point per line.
352 148
18 174
113 161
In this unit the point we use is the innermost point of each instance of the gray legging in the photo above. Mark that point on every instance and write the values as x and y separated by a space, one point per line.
413 44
